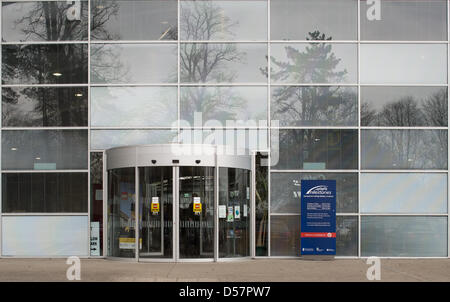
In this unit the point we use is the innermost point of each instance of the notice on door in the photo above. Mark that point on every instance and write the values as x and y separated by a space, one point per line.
155 205
222 211
230 217
95 238
318 217
197 206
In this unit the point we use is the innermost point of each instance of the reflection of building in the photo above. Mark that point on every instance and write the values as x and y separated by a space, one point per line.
319 90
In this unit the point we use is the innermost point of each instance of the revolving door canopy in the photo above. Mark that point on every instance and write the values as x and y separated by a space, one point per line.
179 202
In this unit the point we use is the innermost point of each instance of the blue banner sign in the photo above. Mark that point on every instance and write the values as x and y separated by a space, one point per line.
318 217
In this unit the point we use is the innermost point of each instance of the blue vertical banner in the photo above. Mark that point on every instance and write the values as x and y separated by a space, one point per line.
318 217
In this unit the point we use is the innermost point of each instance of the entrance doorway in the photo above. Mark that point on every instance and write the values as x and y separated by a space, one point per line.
185 210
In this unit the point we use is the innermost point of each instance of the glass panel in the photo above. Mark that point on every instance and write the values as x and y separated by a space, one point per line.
44 21
106 139
133 106
313 63
294 20
286 191
261 204
223 63
133 63
399 236
44 149
96 204
234 199
285 235
235 140
44 193
413 20
346 236
403 63
404 106
315 106
223 20
45 107
196 238
133 20
223 103
316 149
29 236
408 193
156 228
121 213
404 149
45 64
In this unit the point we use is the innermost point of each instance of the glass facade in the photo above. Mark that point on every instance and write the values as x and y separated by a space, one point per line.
352 90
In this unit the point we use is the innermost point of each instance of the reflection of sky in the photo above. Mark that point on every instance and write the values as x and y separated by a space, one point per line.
293 19
380 96
142 63
407 21
404 193
133 106
404 63
105 139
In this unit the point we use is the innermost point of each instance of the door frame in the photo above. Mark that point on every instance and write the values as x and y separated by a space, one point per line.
175 218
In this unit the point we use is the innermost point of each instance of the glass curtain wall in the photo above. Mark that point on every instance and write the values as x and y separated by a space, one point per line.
337 89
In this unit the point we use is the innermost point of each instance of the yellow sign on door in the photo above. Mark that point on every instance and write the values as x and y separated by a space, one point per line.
197 208
155 205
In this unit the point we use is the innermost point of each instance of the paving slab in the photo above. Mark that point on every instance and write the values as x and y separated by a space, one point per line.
265 270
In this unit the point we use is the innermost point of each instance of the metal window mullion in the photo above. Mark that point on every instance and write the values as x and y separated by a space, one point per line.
448 139
253 206
216 206
1 133
269 130
359 125
105 204
178 74
405 214
43 171
89 121
136 213
47 214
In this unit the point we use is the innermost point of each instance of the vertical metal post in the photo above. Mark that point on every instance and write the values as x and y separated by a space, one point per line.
448 138
136 211
105 206
216 207
253 206
359 126
176 218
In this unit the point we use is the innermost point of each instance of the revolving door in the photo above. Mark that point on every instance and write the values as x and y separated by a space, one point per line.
189 206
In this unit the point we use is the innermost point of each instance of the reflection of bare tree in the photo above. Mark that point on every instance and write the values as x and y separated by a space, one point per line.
408 111
35 106
405 149
48 21
435 109
106 64
202 63
51 21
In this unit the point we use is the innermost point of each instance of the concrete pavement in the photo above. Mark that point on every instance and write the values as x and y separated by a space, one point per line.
242 270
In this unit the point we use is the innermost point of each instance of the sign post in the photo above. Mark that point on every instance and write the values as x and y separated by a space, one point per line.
318 217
